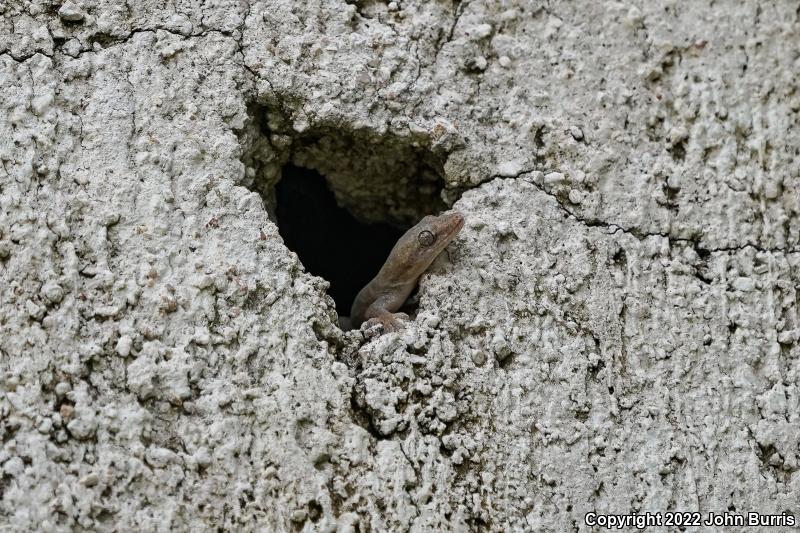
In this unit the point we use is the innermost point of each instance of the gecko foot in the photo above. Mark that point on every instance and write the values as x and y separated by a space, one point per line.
384 324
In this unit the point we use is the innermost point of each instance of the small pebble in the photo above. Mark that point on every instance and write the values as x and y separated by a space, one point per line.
481 31
446 413
124 346
786 337
13 467
553 178
504 61
202 457
476 63
53 292
90 480
45 426
71 12
35 311
159 457
743 284
510 168
82 428
201 336
771 190
66 411
674 182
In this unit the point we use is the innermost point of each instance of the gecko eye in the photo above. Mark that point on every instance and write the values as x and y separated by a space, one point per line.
426 238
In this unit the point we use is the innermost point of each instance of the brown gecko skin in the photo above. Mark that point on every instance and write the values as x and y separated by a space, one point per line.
410 257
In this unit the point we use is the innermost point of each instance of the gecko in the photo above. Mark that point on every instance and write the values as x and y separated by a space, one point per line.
414 252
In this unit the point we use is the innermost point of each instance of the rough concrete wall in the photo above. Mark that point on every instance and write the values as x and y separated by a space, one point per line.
615 330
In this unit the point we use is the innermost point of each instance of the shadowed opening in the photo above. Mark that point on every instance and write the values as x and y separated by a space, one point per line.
329 241
341 196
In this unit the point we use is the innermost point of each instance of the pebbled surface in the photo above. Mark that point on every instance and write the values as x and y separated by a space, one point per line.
615 330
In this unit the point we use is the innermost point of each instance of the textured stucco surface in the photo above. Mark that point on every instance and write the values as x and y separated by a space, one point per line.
615 330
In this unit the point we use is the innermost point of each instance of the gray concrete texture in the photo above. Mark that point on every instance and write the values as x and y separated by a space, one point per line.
615 330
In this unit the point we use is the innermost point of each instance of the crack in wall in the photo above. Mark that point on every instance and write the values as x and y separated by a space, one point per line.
635 232
458 10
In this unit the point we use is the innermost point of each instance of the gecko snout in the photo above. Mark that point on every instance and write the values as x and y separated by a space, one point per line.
456 222
459 218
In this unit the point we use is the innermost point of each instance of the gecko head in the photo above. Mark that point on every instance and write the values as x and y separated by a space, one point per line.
417 249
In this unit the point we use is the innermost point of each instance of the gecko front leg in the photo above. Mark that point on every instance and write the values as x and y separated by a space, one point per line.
380 312
376 304
387 322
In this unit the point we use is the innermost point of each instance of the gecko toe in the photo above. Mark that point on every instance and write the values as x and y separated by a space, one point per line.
384 324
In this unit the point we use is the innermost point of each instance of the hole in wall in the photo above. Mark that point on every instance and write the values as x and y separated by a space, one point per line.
341 196
330 242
